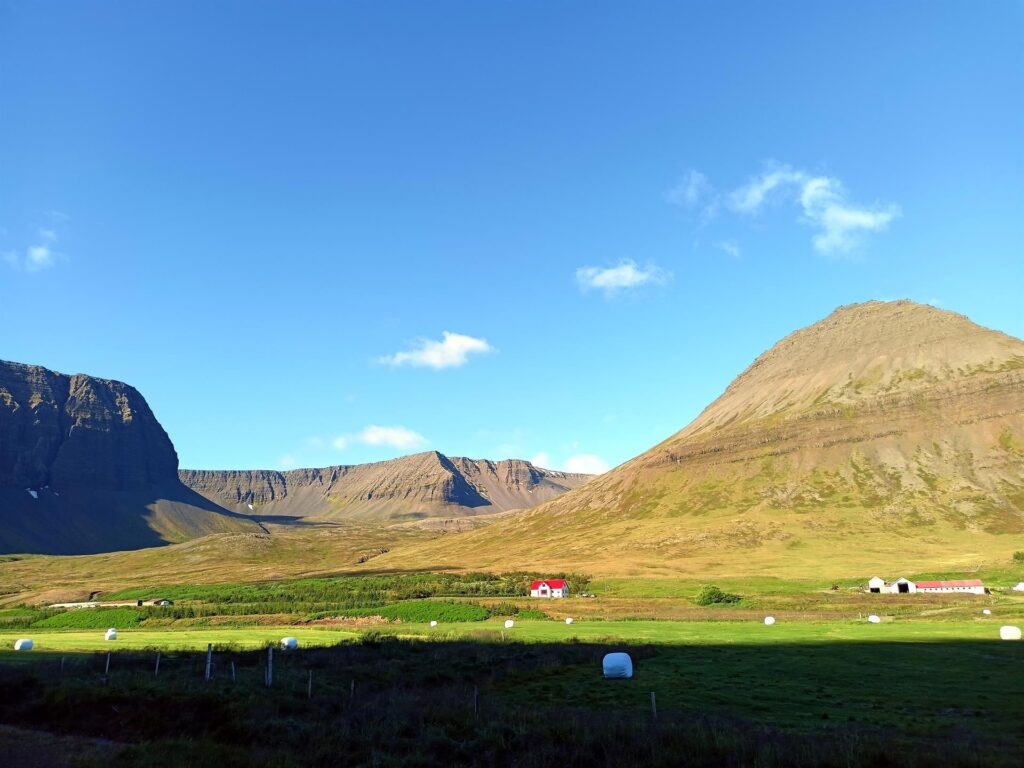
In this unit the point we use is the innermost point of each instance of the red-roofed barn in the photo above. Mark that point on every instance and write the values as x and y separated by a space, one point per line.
549 588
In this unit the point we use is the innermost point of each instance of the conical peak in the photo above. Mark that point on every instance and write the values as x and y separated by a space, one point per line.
858 352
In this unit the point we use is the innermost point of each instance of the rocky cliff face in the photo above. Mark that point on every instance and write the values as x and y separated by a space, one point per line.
86 467
67 432
426 484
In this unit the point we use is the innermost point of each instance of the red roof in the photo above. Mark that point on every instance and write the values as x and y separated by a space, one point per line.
941 584
553 583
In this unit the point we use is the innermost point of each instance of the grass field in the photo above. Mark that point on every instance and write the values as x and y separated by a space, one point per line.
722 633
728 693
931 684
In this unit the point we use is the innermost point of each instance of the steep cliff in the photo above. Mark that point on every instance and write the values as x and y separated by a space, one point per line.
86 467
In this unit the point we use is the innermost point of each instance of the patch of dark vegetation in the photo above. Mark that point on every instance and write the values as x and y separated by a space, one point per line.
301 595
710 594
389 702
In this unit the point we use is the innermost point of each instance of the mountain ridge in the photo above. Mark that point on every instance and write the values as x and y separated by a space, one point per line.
426 484
888 432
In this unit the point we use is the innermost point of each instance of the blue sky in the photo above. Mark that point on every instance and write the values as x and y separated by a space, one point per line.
324 233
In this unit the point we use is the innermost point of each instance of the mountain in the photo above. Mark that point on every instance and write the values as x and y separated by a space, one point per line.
86 467
887 437
424 485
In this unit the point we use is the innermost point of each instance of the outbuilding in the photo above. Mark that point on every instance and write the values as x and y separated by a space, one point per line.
968 586
549 588
905 586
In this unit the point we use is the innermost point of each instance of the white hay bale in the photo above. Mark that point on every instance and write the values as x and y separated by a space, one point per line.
509 623
23 644
111 634
986 611
874 619
433 623
568 620
289 643
617 666
1009 633
769 620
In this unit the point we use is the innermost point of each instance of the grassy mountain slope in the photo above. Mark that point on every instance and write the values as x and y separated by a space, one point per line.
887 437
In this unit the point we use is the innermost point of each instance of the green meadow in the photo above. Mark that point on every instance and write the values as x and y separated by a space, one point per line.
930 684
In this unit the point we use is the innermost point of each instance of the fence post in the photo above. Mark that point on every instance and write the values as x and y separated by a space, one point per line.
270 666
62 666
309 688
156 669
106 671
232 671
654 706
352 692
209 661
476 701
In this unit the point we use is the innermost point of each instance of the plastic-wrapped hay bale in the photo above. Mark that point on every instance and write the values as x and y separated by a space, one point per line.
509 623
289 643
568 620
769 620
24 644
111 634
617 666
874 619
433 623
986 611
1009 633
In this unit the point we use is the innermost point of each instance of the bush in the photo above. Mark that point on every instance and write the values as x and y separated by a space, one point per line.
1018 556
502 609
711 595
532 613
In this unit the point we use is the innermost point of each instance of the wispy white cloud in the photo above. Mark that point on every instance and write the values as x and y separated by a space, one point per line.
730 247
691 190
751 196
451 351
38 256
695 192
582 463
392 437
627 275
542 459
587 464
841 225
287 462
823 203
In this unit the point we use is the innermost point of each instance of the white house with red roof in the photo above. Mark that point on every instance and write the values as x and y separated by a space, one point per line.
549 588
905 586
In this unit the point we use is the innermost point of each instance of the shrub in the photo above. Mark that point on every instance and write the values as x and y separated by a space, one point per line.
502 609
1018 556
532 613
711 595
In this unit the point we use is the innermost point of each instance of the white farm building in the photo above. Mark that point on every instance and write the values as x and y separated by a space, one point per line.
549 588
905 586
